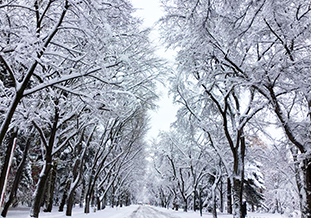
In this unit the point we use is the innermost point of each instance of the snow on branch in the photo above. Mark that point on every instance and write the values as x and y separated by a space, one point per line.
42 136
9 69
64 143
57 80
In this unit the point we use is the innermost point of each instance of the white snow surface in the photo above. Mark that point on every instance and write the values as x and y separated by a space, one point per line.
134 211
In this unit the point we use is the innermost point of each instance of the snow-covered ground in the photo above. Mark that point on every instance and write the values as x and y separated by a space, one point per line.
77 212
134 211
191 214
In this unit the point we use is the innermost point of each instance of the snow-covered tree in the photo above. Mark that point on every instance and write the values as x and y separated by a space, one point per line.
254 183
67 66
247 51
187 166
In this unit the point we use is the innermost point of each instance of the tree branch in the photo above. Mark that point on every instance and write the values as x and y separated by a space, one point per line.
57 81
10 71
42 136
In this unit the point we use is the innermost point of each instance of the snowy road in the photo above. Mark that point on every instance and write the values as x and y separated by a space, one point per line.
133 211
150 212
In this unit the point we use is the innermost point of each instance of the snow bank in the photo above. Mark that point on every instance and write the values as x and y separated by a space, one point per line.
117 212
125 212
191 214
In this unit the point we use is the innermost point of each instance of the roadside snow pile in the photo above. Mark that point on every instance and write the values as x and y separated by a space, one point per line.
116 212
126 212
192 214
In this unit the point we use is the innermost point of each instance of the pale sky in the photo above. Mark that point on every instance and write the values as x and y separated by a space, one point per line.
149 10
161 119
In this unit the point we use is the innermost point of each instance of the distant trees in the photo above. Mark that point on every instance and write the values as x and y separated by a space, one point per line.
281 192
189 169
80 75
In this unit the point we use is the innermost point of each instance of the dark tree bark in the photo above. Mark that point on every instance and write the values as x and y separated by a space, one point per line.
17 180
8 152
127 200
70 202
64 197
104 202
229 196
40 190
82 194
51 187
200 201
77 175
221 197
306 173
238 177
87 205
98 203
194 199
113 197
214 210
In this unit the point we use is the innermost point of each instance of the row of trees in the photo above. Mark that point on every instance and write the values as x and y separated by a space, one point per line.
77 78
241 67
190 171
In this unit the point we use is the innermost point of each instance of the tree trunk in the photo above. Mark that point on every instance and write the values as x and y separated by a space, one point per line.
302 174
6 162
128 201
87 204
185 204
297 169
214 211
98 203
194 199
237 196
76 177
89 192
121 201
229 196
221 197
17 180
237 201
238 176
305 193
104 202
40 190
39 193
70 202
6 206
113 197
92 200
6 123
214 201
51 187
200 201
82 194
64 198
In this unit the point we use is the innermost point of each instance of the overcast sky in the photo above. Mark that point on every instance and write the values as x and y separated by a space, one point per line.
150 11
